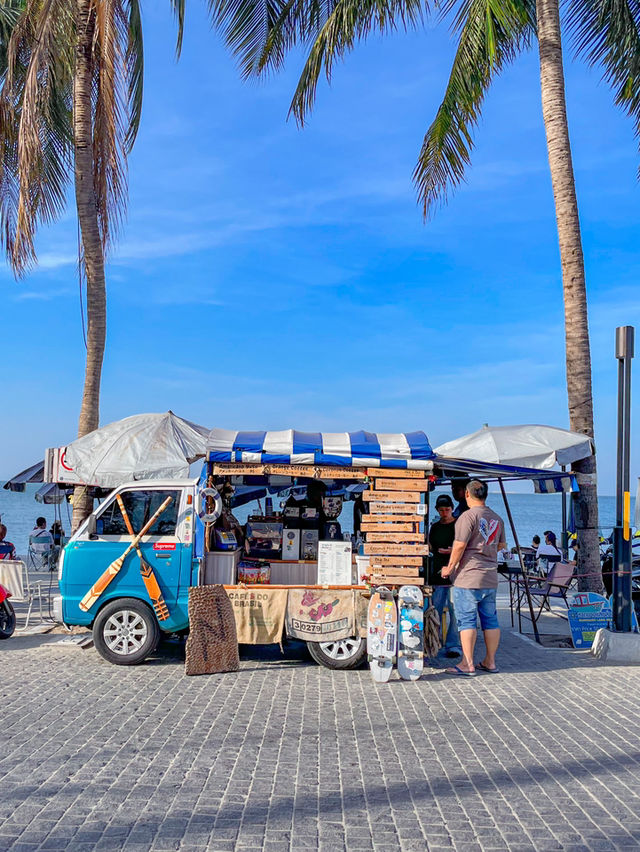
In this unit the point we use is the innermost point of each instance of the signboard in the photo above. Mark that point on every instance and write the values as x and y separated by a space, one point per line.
588 612
334 563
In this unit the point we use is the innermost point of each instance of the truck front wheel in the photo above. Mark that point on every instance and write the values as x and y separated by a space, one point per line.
340 654
125 632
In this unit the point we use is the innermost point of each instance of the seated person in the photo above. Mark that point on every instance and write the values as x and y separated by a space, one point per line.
7 550
57 533
549 551
40 541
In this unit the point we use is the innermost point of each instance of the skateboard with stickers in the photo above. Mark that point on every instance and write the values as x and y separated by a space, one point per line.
410 632
382 633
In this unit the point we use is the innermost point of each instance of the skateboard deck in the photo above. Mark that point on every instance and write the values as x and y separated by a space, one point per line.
382 634
410 632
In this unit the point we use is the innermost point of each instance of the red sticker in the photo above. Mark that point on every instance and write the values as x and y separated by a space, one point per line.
161 545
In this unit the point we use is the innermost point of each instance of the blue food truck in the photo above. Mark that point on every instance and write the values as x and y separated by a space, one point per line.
127 570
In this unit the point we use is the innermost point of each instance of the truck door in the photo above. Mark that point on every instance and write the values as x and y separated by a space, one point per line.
161 547
90 554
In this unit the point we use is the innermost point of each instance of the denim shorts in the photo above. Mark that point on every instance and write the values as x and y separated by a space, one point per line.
469 603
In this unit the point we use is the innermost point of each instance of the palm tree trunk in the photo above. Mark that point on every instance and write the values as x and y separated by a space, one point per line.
578 355
91 242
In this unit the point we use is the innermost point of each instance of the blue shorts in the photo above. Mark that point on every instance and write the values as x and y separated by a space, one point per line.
469 603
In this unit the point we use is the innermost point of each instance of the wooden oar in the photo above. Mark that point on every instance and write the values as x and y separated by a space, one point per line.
102 582
148 577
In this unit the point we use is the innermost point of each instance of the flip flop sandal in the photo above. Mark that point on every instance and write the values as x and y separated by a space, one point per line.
456 671
487 669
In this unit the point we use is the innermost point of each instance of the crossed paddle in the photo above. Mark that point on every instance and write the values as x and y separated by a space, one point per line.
151 584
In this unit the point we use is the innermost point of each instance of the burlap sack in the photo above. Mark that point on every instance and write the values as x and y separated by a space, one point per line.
259 613
212 645
320 615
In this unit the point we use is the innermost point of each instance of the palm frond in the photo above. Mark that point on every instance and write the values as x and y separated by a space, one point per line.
111 123
178 11
348 22
134 72
35 138
607 33
491 33
248 25
261 32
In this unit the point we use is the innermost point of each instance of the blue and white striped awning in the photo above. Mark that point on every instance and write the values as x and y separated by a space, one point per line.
556 484
344 449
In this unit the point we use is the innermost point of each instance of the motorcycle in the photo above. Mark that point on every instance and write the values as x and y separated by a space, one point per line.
7 614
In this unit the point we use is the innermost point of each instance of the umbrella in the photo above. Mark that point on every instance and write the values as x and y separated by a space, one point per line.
144 446
539 447
51 493
35 473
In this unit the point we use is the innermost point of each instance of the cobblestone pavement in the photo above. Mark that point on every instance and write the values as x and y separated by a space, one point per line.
285 755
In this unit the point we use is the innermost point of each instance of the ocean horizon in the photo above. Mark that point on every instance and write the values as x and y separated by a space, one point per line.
532 514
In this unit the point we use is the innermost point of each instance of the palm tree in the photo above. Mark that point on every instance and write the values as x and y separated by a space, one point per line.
490 35
71 74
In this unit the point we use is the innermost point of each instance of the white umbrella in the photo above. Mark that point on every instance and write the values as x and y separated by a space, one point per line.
540 447
144 446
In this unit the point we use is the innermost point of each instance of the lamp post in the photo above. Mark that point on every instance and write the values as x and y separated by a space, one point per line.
622 530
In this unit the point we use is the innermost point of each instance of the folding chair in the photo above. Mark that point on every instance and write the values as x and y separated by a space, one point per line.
555 585
39 554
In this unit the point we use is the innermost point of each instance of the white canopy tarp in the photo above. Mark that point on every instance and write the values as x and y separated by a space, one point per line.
535 446
144 446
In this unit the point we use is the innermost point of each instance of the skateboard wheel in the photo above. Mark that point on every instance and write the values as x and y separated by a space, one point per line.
369 658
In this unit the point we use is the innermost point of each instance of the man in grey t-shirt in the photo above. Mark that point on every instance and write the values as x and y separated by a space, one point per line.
473 567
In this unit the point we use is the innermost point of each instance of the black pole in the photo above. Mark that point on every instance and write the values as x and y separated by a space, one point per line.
522 567
622 530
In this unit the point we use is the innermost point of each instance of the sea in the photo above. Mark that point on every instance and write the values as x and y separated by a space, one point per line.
532 514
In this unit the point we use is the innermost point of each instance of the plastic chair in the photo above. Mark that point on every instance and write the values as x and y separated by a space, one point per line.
555 585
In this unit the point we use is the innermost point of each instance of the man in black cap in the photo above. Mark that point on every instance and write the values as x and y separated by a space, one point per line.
441 536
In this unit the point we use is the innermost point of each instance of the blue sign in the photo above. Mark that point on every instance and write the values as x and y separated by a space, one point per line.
588 612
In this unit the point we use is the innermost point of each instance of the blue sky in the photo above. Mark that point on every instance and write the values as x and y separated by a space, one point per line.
272 277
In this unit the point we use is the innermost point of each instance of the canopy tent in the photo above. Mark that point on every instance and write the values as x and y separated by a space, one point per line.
531 446
357 449
144 446
35 473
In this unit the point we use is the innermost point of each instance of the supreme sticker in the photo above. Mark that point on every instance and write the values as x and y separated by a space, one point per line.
162 545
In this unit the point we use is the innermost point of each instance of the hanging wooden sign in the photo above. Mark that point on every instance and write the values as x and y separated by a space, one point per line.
391 496
397 473
395 536
397 549
388 527
402 485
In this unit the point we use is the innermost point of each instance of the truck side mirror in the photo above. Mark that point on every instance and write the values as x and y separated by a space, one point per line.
91 526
